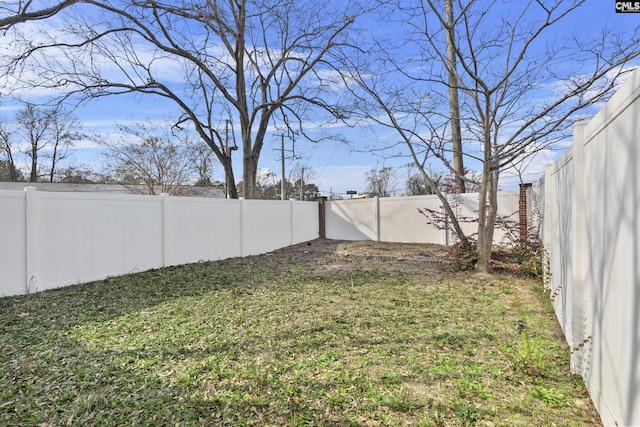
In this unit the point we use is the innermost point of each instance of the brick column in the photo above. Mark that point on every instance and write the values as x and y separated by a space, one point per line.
522 210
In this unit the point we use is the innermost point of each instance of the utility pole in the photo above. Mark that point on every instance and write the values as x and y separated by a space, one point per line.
283 185
302 184
283 182
454 103
227 150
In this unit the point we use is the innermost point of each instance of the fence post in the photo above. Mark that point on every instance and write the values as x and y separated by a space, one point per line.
166 233
376 217
291 229
31 231
548 219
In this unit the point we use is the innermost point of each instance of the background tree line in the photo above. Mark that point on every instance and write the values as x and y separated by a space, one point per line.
408 180
146 157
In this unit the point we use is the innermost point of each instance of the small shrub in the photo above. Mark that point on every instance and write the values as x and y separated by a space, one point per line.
531 356
463 256
531 267
520 257
513 256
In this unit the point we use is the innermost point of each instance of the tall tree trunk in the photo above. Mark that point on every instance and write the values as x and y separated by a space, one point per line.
54 160
483 257
301 184
13 171
485 223
249 175
34 165
229 179
454 103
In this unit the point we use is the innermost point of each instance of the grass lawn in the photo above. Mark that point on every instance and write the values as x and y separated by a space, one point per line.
303 336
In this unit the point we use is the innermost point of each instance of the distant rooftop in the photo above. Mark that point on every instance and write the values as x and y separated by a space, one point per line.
63 187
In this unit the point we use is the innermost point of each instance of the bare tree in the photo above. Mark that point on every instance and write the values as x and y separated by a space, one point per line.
152 161
519 93
200 156
381 182
302 186
35 124
64 133
7 151
254 63
415 183
46 134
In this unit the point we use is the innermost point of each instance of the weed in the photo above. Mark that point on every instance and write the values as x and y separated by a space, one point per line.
471 388
437 415
550 397
445 367
401 402
468 414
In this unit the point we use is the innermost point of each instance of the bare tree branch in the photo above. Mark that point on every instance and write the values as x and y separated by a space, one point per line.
246 61
521 88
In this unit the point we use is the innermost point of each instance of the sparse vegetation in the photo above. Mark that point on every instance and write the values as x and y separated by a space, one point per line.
327 334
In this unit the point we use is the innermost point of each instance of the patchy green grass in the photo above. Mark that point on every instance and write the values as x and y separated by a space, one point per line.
297 338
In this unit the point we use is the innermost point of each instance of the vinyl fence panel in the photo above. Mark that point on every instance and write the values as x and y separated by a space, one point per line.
54 239
13 244
202 229
401 222
589 201
397 219
85 237
351 219
612 242
304 222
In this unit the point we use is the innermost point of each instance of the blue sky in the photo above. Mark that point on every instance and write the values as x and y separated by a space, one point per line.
337 166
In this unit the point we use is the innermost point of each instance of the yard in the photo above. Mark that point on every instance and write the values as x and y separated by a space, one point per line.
330 333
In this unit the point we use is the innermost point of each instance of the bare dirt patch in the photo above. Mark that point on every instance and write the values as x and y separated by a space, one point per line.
341 255
369 248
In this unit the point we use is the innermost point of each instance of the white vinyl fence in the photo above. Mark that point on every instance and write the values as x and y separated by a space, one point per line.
589 202
49 240
396 219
